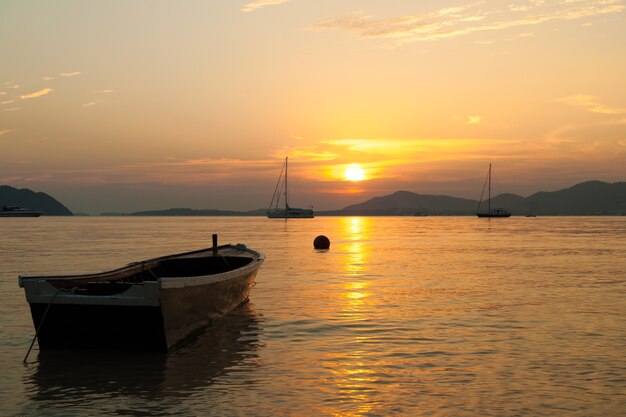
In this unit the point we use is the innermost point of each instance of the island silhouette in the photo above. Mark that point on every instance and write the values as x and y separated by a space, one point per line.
583 199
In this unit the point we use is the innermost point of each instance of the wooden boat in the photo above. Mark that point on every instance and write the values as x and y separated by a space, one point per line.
491 212
275 212
153 304
15 211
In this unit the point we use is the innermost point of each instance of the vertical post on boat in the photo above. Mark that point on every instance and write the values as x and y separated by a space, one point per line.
214 243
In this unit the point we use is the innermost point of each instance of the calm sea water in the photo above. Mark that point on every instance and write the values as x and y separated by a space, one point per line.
405 316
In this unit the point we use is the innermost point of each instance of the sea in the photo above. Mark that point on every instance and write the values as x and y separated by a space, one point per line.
402 316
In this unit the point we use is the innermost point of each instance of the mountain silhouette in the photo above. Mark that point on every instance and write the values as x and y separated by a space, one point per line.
26 198
406 202
587 198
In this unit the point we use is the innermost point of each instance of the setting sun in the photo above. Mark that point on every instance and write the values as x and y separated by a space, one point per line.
354 172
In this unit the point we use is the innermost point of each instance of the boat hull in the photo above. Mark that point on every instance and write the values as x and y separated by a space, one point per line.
185 310
20 214
109 311
15 211
86 326
291 214
493 215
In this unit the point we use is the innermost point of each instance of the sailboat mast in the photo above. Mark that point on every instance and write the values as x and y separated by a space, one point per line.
489 192
286 204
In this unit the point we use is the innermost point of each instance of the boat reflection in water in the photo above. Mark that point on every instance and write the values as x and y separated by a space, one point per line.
74 378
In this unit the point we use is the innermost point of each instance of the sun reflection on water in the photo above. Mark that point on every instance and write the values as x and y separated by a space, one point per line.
352 372
355 261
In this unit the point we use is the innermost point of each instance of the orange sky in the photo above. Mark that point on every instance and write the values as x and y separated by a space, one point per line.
126 106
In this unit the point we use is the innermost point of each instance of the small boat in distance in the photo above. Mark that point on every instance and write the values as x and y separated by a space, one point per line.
154 304
275 212
532 212
15 211
491 212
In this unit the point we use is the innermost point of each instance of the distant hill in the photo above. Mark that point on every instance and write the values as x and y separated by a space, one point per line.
190 212
591 197
26 198
408 203
587 198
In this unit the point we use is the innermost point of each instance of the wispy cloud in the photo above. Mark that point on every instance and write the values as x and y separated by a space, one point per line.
473 120
69 74
102 91
257 4
5 131
46 78
92 103
173 171
592 104
469 120
453 22
5 102
12 109
38 93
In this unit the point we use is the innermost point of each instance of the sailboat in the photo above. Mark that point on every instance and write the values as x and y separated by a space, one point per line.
532 212
495 212
275 212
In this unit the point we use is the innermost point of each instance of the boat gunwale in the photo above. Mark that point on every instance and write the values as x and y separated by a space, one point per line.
135 267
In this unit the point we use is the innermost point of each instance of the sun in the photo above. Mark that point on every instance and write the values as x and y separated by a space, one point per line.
354 172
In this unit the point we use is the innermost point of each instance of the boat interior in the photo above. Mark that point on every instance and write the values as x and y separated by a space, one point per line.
117 281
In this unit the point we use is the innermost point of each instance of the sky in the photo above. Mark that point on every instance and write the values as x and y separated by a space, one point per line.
138 105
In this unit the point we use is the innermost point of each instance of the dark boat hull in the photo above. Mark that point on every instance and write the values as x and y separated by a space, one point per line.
494 213
290 214
15 211
73 326
490 215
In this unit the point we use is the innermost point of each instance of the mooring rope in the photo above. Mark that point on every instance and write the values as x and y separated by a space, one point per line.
43 318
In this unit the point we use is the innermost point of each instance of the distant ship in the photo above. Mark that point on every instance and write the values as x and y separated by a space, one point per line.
495 212
15 211
275 212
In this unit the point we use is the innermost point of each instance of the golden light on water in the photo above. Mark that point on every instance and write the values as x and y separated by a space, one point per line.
353 373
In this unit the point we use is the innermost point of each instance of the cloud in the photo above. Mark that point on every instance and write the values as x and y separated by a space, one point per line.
102 91
591 104
46 78
92 103
257 4
69 74
12 109
473 120
5 131
6 102
454 22
2 93
173 171
468 120
37 93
